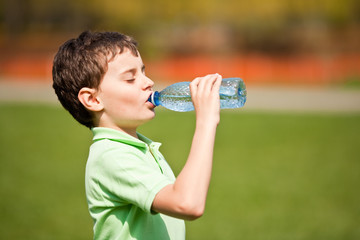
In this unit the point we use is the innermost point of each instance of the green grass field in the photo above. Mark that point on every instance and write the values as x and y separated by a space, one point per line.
276 175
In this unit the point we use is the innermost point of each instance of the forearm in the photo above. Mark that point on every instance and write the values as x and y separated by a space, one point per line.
186 198
194 179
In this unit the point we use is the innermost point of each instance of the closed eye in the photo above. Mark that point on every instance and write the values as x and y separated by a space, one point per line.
130 80
130 74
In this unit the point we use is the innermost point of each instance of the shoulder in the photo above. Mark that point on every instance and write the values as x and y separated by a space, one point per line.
107 152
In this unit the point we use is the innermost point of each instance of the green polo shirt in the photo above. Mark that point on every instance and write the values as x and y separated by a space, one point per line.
123 175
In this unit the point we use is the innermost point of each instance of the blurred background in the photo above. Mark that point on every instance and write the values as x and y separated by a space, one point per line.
289 159
302 42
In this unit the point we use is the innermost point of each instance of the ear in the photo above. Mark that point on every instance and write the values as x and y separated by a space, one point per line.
88 97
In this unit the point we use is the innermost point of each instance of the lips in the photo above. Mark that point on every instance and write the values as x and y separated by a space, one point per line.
148 102
151 105
148 98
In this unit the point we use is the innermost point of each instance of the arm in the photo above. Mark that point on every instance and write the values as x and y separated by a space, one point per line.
186 198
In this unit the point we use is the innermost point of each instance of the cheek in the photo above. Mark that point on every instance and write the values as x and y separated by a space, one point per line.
128 98
120 99
125 103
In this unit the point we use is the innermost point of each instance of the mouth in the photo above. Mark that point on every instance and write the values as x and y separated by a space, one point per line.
149 97
148 102
150 105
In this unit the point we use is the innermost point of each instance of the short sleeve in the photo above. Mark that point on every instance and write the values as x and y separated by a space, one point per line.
130 178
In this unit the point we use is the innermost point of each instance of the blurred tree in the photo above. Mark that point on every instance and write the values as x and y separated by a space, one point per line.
14 14
263 25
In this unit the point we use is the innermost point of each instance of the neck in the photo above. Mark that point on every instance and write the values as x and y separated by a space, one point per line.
130 131
108 124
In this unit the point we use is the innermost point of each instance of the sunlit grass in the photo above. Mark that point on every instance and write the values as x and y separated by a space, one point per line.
275 176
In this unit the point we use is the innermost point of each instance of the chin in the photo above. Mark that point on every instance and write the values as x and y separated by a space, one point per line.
152 116
149 117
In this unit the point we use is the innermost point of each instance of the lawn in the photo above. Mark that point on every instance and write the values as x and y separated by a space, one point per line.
276 175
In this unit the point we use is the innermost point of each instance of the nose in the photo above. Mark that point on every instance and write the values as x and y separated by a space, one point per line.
148 83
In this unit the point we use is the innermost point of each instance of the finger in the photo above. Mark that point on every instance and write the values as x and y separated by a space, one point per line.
210 83
217 84
194 86
206 83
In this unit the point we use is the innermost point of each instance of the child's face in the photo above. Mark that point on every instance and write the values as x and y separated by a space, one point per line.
123 93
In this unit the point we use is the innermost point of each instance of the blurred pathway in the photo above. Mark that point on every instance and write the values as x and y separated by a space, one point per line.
17 91
300 99
306 98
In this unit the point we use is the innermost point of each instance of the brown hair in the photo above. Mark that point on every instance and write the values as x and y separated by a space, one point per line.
82 62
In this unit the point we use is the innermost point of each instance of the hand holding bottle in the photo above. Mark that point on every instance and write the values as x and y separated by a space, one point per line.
205 97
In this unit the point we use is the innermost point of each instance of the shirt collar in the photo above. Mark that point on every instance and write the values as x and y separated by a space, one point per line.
101 133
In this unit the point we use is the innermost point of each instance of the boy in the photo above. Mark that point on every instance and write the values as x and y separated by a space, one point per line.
131 191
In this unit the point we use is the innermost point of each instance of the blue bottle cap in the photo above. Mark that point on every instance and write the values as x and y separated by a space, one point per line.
154 98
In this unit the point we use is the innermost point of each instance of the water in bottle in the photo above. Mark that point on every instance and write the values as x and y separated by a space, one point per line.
177 96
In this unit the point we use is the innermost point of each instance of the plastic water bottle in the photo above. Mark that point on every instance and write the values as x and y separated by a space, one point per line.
177 96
